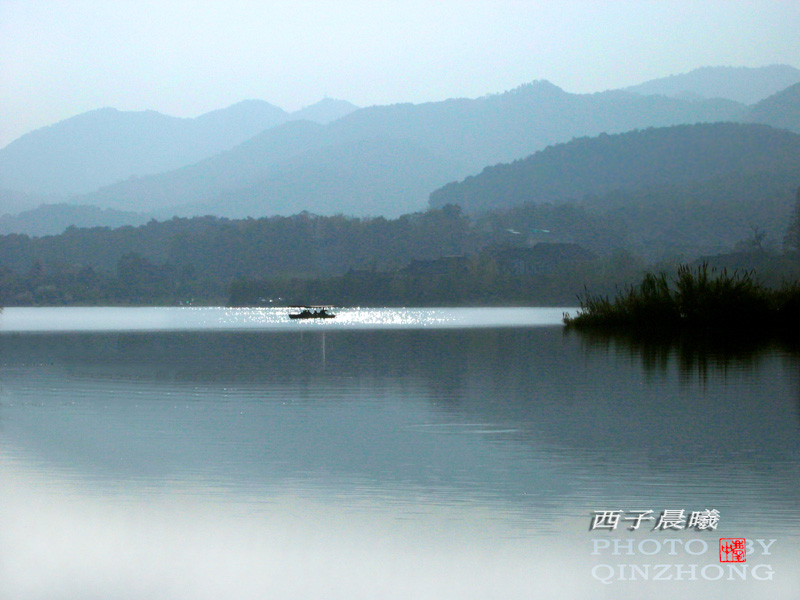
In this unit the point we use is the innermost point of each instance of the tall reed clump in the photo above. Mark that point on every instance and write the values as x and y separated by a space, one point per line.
649 302
699 297
706 297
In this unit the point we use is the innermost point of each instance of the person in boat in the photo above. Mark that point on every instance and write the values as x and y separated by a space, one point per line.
312 312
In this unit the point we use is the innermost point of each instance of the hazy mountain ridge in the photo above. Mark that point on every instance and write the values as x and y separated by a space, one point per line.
782 110
290 166
51 219
675 155
324 111
106 145
227 171
746 85
380 176
465 134
13 202
507 126
100 147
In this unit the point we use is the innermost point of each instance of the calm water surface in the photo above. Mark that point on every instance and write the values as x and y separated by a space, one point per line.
425 453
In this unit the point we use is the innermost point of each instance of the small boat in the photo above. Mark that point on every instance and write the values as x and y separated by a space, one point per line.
312 312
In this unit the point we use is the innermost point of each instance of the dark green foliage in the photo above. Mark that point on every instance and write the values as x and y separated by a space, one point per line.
697 298
649 302
705 297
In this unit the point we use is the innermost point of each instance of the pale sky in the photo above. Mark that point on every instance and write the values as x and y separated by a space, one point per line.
59 58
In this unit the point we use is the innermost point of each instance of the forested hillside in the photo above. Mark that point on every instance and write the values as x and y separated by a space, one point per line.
648 158
200 258
529 254
300 245
691 189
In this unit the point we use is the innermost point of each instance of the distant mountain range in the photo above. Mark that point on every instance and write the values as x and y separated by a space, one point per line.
254 159
100 147
745 85
295 166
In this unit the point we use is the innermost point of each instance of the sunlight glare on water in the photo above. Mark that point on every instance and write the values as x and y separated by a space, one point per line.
62 319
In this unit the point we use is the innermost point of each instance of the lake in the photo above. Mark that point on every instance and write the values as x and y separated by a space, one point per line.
199 453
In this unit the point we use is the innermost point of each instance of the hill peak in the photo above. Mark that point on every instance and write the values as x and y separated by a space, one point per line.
325 111
540 88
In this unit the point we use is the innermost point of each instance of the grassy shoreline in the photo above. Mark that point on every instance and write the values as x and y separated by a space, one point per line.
699 298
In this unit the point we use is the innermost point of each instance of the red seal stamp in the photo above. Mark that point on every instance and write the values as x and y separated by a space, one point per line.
732 550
